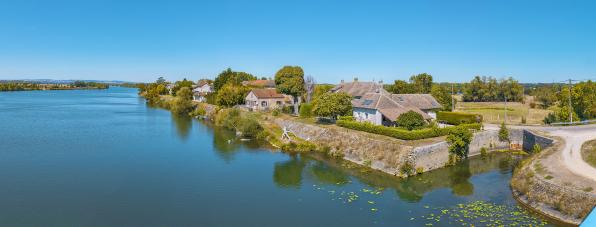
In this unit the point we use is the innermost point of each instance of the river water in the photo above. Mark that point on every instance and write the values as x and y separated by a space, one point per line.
105 158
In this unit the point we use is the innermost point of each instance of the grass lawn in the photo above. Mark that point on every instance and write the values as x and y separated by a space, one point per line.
494 112
589 152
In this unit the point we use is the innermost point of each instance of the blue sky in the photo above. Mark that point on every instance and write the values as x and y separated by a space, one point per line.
532 41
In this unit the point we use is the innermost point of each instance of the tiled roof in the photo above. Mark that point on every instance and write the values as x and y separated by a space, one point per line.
200 93
420 101
265 83
265 93
379 101
392 114
359 88
287 100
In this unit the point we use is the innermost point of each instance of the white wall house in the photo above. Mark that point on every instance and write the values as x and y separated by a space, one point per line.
381 109
200 90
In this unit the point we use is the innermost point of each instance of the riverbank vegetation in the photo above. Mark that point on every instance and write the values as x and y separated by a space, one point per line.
35 86
589 152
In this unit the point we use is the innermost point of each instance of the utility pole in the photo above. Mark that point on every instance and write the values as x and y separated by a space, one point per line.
505 108
570 115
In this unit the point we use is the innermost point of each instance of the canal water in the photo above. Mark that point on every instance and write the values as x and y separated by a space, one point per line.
105 158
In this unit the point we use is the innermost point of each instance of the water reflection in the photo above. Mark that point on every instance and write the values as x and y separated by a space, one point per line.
327 170
183 126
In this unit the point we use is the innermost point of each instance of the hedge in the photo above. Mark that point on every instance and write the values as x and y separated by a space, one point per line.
453 118
346 118
400 133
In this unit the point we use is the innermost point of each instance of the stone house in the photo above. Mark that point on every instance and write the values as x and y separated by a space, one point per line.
270 84
359 88
170 87
266 99
200 90
381 109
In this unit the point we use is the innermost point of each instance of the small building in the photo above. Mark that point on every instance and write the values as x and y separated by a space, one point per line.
200 90
269 84
359 88
264 99
380 109
170 87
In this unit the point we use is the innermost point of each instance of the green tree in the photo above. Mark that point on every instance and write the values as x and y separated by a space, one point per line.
290 81
160 81
228 95
182 104
460 138
550 118
546 97
181 84
305 110
242 76
563 115
161 89
223 78
504 132
332 105
79 83
443 96
410 120
423 83
401 87
263 78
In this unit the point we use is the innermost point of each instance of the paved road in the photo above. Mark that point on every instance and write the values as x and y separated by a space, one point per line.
574 137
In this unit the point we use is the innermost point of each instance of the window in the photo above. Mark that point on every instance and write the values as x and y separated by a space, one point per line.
369 102
263 103
278 102
366 116
400 99
364 103
433 103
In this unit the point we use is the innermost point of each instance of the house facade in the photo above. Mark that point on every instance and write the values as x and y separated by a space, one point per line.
170 87
263 99
381 109
200 90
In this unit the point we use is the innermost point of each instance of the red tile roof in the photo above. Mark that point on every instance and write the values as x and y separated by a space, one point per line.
265 93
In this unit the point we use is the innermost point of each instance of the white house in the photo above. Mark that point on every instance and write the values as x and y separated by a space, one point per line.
381 109
200 90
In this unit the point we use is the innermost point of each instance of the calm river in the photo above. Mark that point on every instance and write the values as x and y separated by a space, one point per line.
105 158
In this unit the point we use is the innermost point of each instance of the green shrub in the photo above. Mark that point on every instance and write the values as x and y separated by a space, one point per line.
326 149
454 118
263 135
305 110
407 168
307 146
289 146
338 154
367 162
588 189
537 148
346 118
550 118
483 151
459 138
400 133
503 132
251 127
276 112
198 112
523 120
549 177
410 120
420 170
532 104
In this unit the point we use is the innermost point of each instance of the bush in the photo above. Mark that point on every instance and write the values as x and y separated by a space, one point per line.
420 170
250 127
550 118
523 121
198 112
537 148
276 112
289 146
338 154
326 149
459 138
407 168
263 135
346 118
503 132
453 118
400 133
307 146
305 110
367 162
483 151
410 120
532 104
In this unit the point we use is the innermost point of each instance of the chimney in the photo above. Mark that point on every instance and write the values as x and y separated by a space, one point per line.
381 83
355 80
342 81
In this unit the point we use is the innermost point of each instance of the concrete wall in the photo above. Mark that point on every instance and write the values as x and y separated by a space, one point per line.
530 139
430 157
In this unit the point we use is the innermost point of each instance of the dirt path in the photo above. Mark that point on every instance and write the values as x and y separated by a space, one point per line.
574 137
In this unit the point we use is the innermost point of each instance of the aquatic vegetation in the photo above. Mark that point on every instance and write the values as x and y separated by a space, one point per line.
484 214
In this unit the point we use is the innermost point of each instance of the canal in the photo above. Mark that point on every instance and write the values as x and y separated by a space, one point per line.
105 158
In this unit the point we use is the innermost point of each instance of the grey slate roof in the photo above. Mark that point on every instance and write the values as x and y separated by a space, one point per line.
392 114
359 88
380 101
